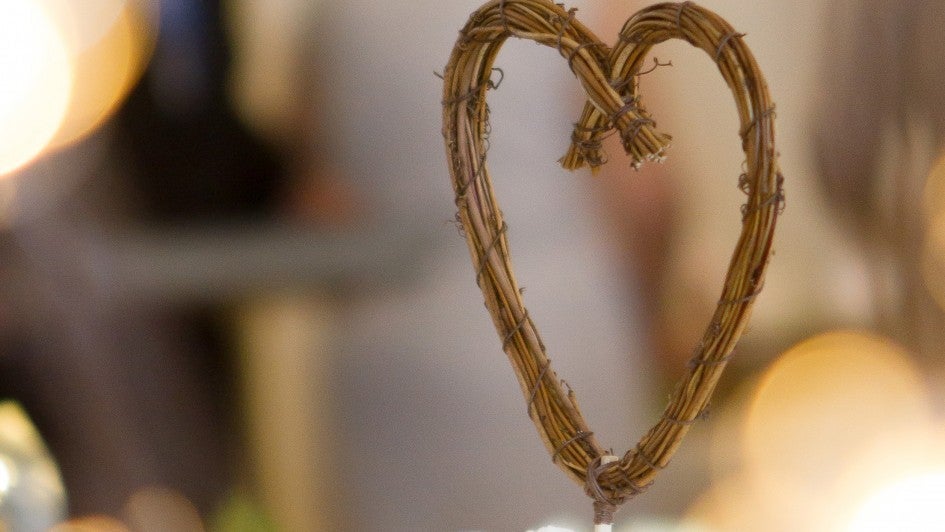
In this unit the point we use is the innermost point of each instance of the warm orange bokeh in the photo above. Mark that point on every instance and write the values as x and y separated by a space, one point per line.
65 69
835 419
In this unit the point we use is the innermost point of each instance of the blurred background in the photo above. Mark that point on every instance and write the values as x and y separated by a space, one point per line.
233 295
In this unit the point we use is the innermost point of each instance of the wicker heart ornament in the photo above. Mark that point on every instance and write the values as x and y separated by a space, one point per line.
613 103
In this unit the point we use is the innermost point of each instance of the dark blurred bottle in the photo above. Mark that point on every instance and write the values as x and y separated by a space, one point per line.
188 155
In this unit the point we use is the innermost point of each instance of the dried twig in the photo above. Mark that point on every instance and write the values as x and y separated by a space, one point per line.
613 103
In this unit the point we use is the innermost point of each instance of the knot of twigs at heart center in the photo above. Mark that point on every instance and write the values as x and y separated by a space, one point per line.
607 76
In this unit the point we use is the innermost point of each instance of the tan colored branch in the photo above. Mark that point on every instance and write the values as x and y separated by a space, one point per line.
613 103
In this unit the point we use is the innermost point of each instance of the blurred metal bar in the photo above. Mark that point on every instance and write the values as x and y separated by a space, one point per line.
220 262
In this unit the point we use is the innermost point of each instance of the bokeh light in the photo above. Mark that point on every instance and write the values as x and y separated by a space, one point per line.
933 251
109 42
36 82
8 475
814 415
933 259
882 479
933 196
913 504
828 395
65 66
156 508
32 495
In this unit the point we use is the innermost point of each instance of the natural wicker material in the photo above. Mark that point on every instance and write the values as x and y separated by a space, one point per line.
608 78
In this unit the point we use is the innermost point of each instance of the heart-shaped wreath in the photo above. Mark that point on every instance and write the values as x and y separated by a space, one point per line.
613 103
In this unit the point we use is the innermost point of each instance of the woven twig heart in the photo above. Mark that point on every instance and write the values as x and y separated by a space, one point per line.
607 76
